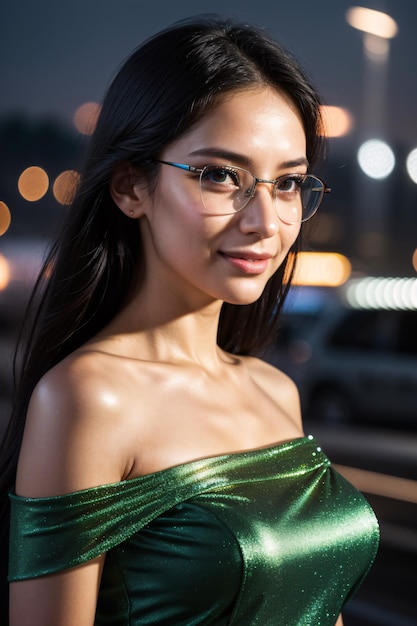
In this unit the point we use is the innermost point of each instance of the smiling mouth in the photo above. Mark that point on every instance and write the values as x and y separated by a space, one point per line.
247 264
247 257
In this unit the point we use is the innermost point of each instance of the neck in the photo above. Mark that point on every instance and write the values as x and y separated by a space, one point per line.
169 333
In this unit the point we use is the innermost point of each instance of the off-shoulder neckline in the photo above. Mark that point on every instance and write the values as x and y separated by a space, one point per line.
239 454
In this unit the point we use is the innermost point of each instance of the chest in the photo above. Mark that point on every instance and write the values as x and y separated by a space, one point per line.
292 547
182 427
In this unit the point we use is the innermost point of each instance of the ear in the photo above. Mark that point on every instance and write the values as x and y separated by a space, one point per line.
126 190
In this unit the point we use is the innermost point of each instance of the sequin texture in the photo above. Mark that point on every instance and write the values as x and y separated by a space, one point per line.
268 537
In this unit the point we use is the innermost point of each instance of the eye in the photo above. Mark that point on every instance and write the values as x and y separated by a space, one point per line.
221 175
290 184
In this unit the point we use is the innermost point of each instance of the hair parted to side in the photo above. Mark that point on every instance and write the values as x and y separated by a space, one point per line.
164 88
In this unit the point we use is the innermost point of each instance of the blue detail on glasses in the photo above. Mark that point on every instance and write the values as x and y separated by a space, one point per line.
227 189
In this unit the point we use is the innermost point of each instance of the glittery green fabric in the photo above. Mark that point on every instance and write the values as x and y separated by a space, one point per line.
268 537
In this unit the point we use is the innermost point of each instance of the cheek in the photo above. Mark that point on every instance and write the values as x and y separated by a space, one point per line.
177 225
177 205
289 235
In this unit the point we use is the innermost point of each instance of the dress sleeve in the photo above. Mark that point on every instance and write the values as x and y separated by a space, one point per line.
51 534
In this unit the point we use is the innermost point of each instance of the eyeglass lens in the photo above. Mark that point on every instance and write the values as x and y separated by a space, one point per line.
227 190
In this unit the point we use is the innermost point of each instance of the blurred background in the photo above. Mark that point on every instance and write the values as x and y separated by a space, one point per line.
349 332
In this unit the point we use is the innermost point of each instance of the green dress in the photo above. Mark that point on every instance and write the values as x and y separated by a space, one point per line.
267 537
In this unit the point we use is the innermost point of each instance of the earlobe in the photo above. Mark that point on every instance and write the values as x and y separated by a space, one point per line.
124 190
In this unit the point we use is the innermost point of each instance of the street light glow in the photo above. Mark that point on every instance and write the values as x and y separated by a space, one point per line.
372 22
321 269
337 121
411 164
86 116
4 272
33 183
5 218
374 292
65 186
376 48
376 159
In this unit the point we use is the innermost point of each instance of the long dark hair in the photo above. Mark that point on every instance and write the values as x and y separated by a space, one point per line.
160 92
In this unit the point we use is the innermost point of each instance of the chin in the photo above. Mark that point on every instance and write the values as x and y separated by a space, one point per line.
242 300
242 292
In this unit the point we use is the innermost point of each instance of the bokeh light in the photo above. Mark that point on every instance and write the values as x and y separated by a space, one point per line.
324 269
376 48
382 293
411 164
86 116
33 183
373 22
65 186
336 121
414 259
376 158
4 272
5 218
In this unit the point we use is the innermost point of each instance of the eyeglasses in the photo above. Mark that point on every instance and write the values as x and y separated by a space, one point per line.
226 189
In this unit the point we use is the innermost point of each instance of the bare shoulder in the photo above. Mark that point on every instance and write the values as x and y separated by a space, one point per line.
266 374
280 387
74 435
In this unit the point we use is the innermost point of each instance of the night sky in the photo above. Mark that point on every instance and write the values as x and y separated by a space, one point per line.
55 56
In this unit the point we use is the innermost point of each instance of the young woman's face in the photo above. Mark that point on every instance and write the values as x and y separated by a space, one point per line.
201 257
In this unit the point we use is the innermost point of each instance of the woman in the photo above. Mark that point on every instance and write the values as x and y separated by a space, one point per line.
164 476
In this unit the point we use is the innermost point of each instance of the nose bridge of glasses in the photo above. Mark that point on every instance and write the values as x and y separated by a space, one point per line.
251 190
264 181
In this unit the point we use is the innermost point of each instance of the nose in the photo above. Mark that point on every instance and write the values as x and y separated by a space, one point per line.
260 214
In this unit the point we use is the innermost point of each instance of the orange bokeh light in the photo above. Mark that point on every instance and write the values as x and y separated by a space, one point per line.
4 272
65 186
336 121
324 269
86 116
33 183
5 218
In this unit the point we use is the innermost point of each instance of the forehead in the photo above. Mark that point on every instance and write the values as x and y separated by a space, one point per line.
256 122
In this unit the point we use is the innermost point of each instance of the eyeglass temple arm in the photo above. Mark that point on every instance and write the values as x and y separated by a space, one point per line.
181 166
198 170
325 190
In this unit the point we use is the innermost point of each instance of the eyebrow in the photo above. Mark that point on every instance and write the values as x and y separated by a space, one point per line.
243 160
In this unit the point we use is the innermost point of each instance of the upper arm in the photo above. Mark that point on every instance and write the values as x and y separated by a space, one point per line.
69 444
68 598
339 621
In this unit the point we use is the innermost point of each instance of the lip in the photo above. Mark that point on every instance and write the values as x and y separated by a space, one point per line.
248 255
248 262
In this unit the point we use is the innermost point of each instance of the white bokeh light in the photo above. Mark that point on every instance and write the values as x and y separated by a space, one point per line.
374 22
411 164
376 158
382 293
